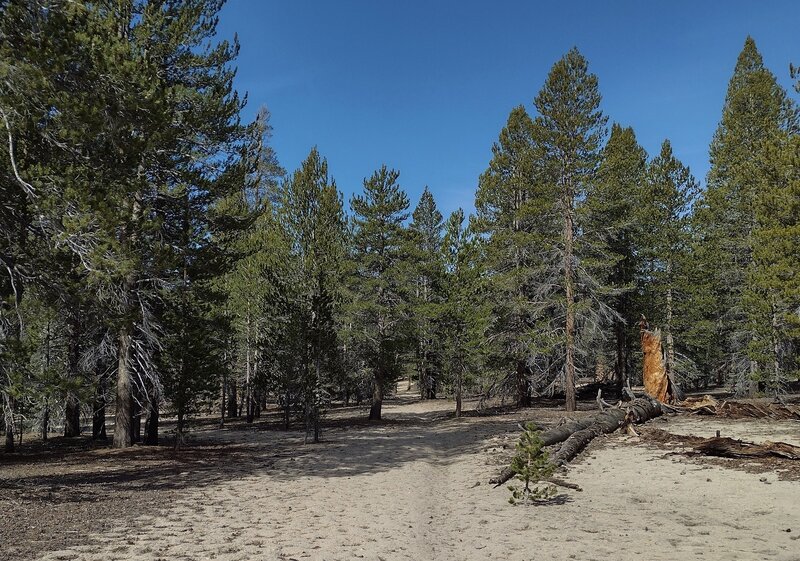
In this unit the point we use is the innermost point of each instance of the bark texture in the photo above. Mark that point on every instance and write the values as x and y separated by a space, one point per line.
657 382
576 434
730 448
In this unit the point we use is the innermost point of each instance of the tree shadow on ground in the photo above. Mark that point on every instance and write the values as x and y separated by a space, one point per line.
76 487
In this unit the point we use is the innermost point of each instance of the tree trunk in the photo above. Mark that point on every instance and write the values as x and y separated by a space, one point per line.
72 408
523 387
128 238
99 410
569 380
657 381
8 414
72 416
232 399
622 359
136 421
458 396
316 424
670 342
248 383
222 396
577 433
377 398
315 405
151 426
45 427
179 427
423 382
122 418
776 350
257 404
731 448
287 410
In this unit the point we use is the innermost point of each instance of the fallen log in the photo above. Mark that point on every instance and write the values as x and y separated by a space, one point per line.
575 444
731 448
707 405
576 434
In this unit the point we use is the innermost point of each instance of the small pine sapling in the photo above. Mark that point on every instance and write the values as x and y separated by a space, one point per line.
531 463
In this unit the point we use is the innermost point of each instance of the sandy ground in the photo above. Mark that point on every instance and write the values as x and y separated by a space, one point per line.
415 487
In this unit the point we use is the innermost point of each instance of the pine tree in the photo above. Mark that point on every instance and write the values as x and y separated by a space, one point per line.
610 218
515 216
251 239
665 209
531 464
380 305
425 243
772 296
756 109
314 219
568 132
462 316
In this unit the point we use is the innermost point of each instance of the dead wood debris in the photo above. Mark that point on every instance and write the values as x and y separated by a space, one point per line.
732 448
707 405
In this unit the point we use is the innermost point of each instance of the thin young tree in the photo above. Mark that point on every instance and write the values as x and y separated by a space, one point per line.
425 244
462 316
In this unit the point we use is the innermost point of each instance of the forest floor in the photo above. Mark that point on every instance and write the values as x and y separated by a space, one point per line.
413 486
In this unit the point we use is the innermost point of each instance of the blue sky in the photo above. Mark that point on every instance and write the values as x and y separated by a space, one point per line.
425 87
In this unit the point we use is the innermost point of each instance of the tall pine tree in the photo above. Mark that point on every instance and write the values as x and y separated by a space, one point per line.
569 131
665 209
610 217
756 109
516 217
313 216
380 304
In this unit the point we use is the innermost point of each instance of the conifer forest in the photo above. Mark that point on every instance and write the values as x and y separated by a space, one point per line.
205 355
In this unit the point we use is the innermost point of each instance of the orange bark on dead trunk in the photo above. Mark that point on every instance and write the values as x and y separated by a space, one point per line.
654 371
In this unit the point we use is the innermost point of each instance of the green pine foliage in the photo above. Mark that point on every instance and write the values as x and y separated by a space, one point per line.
462 319
311 213
772 296
610 219
427 276
531 464
756 110
380 305
516 217
665 211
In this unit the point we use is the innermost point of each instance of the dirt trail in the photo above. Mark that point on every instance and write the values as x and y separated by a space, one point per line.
415 488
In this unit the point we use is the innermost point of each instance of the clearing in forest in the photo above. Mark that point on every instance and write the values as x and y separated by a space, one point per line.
411 487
